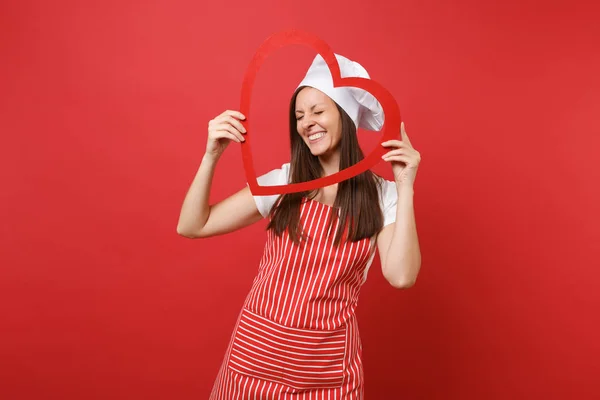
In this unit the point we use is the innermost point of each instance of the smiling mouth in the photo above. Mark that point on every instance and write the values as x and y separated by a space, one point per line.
316 136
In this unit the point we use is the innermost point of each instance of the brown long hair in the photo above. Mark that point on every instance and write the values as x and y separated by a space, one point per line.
357 198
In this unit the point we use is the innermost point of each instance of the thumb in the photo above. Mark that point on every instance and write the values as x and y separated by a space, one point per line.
403 134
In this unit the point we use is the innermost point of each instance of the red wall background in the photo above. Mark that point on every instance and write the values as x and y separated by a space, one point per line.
103 118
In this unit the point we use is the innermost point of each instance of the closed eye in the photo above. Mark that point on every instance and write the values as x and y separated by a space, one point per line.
299 117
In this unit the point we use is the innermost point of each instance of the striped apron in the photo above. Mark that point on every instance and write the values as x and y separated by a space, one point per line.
297 336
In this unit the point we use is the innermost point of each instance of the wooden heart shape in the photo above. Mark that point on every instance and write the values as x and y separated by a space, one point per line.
391 127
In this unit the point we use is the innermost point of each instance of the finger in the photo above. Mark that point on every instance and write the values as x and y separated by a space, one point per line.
396 152
231 136
235 114
231 129
235 132
227 119
234 122
237 124
403 159
403 134
226 135
410 153
392 143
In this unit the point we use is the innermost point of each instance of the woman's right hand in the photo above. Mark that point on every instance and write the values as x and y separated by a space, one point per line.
223 129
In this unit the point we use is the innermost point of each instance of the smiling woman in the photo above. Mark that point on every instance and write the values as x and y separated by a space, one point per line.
323 141
297 332
318 122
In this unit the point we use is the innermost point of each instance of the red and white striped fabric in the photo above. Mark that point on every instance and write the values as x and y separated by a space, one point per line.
297 335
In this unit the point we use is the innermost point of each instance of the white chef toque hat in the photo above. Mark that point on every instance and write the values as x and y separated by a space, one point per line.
360 105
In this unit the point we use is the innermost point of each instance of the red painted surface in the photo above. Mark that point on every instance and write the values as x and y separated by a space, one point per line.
103 119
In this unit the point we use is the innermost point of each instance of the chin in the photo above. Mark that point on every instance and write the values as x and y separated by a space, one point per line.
318 150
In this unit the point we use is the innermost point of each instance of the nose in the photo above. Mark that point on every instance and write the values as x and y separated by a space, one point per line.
307 122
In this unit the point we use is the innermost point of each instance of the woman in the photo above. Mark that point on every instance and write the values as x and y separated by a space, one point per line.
297 335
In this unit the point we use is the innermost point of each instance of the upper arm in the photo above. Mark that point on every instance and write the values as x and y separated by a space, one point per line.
384 238
388 202
242 208
235 212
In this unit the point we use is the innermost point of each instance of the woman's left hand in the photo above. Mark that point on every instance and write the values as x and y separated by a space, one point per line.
404 158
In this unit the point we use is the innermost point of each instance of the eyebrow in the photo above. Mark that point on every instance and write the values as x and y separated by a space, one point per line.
312 108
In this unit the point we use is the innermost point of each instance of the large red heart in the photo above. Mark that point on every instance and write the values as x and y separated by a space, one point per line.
391 127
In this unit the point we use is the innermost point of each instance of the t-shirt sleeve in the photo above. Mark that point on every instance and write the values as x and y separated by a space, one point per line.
388 201
275 177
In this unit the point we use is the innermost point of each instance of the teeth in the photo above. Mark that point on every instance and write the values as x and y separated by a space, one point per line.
316 136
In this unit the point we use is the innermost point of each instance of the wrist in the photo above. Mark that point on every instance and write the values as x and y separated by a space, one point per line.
405 188
210 158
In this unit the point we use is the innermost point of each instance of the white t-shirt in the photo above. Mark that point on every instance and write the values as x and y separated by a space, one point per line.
388 196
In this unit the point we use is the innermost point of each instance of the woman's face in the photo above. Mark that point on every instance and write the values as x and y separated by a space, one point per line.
318 121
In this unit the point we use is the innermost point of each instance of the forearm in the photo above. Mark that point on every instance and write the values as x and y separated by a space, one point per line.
196 209
403 259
